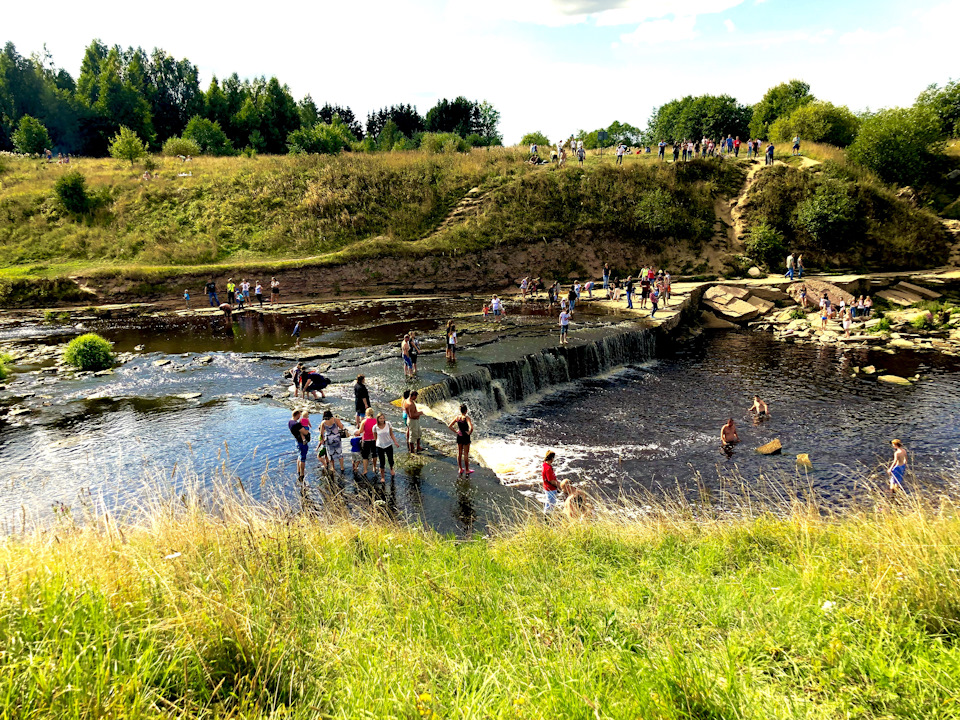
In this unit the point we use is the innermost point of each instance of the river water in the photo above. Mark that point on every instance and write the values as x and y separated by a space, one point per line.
623 415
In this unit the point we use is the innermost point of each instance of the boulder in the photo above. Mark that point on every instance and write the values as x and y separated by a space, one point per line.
712 322
161 363
869 369
729 303
815 291
803 460
755 272
764 306
718 291
206 359
772 294
771 448
893 380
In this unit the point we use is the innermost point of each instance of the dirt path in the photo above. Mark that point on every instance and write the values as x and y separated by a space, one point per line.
469 206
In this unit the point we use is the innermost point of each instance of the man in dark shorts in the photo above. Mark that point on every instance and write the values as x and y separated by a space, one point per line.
361 397
314 382
413 422
302 436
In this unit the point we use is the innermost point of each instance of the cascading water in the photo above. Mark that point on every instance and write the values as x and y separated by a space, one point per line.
498 386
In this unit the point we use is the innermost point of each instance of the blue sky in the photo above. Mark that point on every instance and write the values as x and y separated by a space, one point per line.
549 65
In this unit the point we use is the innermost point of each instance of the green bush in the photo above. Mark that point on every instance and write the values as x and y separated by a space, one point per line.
534 138
828 214
181 146
923 321
208 135
883 325
798 313
4 370
127 145
71 192
438 143
818 121
766 244
323 138
900 145
89 352
31 136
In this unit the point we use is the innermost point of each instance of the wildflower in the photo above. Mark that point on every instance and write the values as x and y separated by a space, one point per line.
828 605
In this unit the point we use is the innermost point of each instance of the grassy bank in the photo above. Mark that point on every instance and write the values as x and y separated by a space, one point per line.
662 617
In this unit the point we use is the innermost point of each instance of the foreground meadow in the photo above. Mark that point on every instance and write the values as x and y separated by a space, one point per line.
259 615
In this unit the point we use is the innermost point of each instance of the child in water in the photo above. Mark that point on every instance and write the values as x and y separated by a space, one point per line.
186 298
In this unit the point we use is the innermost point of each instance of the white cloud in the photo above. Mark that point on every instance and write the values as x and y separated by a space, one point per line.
728 24
655 32
603 13
868 37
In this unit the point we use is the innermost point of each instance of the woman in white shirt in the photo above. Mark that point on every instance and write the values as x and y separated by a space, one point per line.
386 440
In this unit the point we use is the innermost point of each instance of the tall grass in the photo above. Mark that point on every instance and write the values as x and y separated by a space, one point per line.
665 612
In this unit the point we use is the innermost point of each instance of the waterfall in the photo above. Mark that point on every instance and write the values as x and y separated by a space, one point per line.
498 384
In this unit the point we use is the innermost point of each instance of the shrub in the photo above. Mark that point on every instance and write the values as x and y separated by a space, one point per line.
4 370
208 135
829 213
31 136
323 138
181 146
534 138
89 352
798 313
438 143
818 121
766 244
71 192
899 145
922 321
127 145
883 325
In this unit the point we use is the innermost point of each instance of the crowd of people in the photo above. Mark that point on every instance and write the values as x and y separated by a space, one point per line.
682 150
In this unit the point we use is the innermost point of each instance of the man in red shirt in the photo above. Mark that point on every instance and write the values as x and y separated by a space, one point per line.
550 485
368 437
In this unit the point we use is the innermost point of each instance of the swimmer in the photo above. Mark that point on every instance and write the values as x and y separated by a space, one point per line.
898 467
728 433
760 408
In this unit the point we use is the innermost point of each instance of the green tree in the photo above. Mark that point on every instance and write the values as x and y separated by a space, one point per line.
173 92
389 136
489 126
818 121
535 138
779 101
405 117
460 116
328 112
828 215
127 145
88 84
900 145
945 102
31 137
309 112
692 118
208 135
175 146
120 100
323 138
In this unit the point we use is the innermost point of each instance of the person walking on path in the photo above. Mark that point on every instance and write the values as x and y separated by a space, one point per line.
331 430
661 149
550 486
621 149
654 301
799 266
769 160
413 422
462 425
361 398
274 290
211 290
302 435
790 267
386 441
564 327
796 144
898 467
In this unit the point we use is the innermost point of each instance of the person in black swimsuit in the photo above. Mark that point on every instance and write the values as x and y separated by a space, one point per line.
462 425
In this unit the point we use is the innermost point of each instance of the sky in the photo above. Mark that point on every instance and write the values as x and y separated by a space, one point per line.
555 66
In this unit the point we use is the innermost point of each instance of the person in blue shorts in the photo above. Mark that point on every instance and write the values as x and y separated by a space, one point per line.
302 435
898 467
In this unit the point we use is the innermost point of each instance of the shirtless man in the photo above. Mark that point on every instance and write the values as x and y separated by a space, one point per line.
898 467
407 359
728 433
413 422
760 408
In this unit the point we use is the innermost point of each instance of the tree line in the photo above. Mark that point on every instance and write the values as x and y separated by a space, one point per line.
159 98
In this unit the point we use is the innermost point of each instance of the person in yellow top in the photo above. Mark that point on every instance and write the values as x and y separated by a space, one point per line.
231 290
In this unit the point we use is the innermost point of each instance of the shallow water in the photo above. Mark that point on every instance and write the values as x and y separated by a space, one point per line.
653 424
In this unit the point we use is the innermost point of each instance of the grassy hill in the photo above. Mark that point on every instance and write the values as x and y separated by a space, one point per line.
444 215
257 616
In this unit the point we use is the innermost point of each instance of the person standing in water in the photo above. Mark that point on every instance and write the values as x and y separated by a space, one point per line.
330 431
405 354
414 414
302 435
386 441
361 398
451 341
898 467
414 351
296 332
760 408
728 433
565 327
550 486
462 425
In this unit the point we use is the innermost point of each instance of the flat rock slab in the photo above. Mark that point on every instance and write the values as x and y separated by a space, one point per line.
815 291
161 363
305 355
900 297
771 448
764 306
189 396
206 359
917 290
